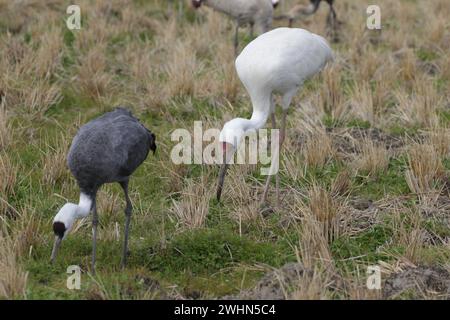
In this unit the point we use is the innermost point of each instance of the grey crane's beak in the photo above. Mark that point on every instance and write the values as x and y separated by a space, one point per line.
59 229
228 151
56 246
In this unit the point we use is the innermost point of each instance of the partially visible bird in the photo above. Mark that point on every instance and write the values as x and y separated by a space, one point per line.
105 150
275 3
277 62
300 10
256 13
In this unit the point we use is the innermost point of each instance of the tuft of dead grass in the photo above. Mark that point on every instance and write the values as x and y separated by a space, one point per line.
5 128
8 180
318 149
13 278
425 167
191 210
373 159
93 78
424 171
55 164
182 69
419 108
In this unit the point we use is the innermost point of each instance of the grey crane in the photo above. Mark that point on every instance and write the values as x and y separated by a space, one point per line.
256 13
298 11
105 150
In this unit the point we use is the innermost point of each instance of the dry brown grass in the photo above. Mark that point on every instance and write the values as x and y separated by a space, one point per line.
13 278
5 128
327 210
8 180
408 223
191 210
318 149
54 166
172 69
439 139
419 108
425 169
373 158
332 100
93 78
182 69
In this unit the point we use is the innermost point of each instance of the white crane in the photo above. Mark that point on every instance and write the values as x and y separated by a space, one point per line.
277 62
256 13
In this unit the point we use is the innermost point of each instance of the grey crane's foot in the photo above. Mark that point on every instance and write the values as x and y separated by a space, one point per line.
124 260
93 267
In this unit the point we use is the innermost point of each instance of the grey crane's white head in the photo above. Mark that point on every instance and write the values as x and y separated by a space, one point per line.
197 3
62 223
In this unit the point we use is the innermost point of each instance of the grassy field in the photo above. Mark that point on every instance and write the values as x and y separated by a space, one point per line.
364 175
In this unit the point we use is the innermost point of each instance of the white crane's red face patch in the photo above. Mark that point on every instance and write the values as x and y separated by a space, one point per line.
197 3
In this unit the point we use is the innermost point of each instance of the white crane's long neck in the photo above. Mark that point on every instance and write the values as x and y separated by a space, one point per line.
261 110
84 206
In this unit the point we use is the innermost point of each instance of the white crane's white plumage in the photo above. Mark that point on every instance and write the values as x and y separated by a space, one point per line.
277 62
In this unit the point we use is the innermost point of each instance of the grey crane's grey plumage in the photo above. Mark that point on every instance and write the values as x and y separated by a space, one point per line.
256 13
301 10
105 150
109 149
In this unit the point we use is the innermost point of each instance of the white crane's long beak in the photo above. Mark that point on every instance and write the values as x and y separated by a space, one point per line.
56 246
228 151
222 174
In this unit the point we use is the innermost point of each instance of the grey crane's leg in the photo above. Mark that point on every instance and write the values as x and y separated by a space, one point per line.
94 233
128 211
331 18
236 40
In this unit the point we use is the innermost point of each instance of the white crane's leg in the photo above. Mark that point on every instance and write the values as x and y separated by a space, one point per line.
266 186
287 98
128 211
94 233
274 126
283 127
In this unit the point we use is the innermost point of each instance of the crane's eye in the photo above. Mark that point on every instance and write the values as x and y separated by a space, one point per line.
59 229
